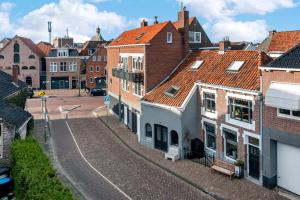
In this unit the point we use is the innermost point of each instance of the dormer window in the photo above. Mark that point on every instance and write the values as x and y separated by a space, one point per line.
140 36
90 52
197 64
172 91
236 66
169 37
62 53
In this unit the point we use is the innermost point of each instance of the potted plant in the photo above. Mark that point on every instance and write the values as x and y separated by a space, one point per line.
239 168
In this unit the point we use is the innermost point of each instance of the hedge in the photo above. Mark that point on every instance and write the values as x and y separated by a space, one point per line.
33 174
20 99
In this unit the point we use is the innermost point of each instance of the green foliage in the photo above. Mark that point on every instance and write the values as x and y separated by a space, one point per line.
30 125
239 163
34 176
20 99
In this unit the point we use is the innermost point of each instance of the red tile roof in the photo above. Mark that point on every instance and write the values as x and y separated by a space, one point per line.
45 47
283 41
213 71
141 35
176 24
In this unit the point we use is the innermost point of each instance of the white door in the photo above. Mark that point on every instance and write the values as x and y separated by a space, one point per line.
125 115
288 167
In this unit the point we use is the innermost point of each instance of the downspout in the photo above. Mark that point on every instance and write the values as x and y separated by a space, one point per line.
261 121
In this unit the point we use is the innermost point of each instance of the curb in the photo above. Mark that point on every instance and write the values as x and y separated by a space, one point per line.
215 196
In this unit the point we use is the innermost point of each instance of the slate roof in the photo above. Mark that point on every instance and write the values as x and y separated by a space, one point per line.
141 35
13 115
8 88
90 45
214 70
72 53
290 59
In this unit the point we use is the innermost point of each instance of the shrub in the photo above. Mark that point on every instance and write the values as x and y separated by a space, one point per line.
20 99
33 174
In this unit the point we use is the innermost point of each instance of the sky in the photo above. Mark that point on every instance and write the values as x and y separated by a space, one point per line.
241 20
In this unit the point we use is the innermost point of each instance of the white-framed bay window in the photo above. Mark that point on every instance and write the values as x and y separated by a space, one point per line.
137 89
53 66
125 85
137 63
73 67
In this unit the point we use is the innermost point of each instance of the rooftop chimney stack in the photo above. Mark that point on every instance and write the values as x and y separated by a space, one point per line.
183 20
15 74
225 44
144 23
155 20
271 33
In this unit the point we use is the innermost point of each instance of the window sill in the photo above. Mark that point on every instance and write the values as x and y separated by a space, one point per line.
281 116
240 123
210 150
230 159
208 114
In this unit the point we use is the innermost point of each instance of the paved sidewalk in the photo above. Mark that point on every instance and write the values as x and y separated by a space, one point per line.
217 185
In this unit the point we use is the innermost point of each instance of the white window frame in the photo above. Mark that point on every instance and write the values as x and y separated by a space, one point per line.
134 91
99 58
204 128
224 138
194 34
137 63
90 52
73 67
64 66
125 65
91 79
125 85
94 58
53 67
62 53
203 110
91 68
97 68
290 116
105 58
169 37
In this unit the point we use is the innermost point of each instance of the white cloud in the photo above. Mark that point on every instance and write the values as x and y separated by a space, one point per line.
5 24
79 17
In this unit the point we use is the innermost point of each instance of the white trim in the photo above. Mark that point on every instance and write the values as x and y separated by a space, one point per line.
206 90
252 92
170 108
239 96
25 123
206 113
189 96
127 45
209 114
131 54
224 142
205 136
230 128
279 69
280 115
208 121
247 133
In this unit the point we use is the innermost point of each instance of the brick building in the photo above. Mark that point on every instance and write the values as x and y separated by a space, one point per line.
281 127
139 59
26 56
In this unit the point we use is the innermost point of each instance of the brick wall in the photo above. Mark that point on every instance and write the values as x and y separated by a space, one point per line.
270 114
8 135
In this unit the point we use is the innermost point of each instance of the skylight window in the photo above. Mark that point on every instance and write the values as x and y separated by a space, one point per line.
197 64
172 91
140 36
236 65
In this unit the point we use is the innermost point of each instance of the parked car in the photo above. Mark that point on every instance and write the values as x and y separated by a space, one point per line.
98 92
6 184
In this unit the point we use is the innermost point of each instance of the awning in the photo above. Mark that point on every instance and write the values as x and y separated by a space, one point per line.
283 95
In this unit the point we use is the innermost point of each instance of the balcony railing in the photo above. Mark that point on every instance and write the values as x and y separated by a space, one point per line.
134 76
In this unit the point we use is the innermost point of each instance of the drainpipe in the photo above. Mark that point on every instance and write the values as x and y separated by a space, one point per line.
261 122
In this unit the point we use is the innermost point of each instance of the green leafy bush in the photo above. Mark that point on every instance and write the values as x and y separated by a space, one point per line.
20 99
33 174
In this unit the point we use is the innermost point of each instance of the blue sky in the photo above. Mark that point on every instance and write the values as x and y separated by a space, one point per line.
238 19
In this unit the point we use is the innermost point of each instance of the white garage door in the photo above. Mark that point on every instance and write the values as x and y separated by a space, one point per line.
288 167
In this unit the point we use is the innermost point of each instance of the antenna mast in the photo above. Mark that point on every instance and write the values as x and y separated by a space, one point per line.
49 30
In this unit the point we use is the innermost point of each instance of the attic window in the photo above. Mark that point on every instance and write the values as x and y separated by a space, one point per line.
172 91
140 36
197 64
236 65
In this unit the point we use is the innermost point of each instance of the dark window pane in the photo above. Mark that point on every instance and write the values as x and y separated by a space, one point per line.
296 113
148 130
284 111
174 138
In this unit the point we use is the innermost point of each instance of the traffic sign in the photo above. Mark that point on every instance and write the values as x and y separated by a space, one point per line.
107 98
41 94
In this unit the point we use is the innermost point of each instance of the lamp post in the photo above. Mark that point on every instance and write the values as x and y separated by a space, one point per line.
81 70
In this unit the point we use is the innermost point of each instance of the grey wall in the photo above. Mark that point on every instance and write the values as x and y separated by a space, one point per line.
270 139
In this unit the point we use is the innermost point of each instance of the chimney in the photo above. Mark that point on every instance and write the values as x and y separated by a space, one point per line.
155 20
271 33
183 20
225 44
15 74
144 23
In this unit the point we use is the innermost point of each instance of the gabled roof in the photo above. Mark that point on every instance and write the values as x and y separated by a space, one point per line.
176 24
141 35
90 45
283 41
214 71
45 47
13 115
289 60
8 88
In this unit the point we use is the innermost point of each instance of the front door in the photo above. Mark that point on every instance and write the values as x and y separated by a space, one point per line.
254 161
61 84
161 138
134 121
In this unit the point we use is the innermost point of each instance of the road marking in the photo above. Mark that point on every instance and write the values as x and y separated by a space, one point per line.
116 187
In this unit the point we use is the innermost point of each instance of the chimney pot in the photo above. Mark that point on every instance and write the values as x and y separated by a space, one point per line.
155 20
15 74
144 23
225 44
271 33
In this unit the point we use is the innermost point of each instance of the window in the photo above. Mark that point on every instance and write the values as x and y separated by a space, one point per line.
90 52
174 138
62 53
240 110
230 144
137 89
98 69
63 67
148 130
210 132
1 57
16 58
137 63
91 68
194 37
289 113
236 65
91 80
125 85
16 48
94 58
53 66
169 37
209 102
24 67
197 64
172 91
124 61
105 58
99 58
32 67
31 57
73 67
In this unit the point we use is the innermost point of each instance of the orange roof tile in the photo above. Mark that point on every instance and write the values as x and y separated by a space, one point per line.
45 47
176 24
283 41
141 35
212 71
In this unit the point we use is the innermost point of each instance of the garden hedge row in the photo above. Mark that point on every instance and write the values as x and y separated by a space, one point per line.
33 174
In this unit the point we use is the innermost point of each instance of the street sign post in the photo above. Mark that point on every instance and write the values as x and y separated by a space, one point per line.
41 94
107 103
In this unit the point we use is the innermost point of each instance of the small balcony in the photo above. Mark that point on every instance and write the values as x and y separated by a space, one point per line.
134 76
